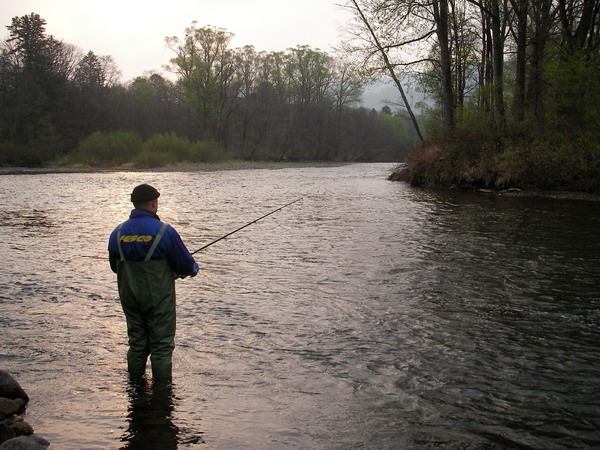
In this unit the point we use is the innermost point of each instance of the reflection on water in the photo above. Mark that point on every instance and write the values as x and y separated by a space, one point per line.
367 315
25 220
149 417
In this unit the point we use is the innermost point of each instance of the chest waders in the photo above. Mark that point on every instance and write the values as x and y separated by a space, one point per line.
147 293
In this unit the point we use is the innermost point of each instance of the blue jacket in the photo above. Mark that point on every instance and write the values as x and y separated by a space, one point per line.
138 234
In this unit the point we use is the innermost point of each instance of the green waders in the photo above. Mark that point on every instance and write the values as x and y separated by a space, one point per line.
147 292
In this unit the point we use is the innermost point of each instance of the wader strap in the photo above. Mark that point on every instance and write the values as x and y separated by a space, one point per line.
155 243
119 243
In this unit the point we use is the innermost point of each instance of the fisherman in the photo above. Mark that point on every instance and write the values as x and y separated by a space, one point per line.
148 255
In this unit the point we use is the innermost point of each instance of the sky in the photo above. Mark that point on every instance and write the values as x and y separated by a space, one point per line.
133 31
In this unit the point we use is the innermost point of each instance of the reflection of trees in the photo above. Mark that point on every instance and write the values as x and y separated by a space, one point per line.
26 219
149 416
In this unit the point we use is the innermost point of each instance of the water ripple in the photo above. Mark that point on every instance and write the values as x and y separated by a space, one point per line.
368 315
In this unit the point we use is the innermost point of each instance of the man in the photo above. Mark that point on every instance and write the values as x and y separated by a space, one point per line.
147 255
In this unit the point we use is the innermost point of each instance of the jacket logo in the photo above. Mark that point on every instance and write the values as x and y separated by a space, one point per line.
136 238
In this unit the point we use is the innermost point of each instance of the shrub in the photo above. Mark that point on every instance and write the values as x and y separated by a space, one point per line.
560 161
206 151
175 147
107 149
114 149
149 158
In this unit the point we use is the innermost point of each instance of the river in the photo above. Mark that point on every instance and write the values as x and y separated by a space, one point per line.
367 315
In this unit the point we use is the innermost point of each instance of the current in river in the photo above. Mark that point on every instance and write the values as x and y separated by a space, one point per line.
370 314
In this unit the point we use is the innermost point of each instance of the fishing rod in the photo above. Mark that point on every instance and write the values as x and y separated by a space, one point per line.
244 226
222 237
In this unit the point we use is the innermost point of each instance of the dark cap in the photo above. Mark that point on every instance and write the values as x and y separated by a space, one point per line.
144 193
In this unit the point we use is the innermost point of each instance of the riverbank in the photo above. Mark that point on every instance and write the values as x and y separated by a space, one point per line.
402 173
183 167
562 163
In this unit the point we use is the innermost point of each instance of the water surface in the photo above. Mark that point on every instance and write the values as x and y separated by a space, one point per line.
367 315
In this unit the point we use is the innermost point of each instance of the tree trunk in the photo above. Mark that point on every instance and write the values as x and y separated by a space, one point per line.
495 22
520 7
541 19
440 11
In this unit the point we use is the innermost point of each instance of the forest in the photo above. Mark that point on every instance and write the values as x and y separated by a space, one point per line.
515 83
61 104
513 89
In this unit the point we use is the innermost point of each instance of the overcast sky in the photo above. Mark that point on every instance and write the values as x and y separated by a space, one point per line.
133 31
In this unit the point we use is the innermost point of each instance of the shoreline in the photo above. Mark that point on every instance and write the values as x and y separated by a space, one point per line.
276 165
185 167
403 176
517 192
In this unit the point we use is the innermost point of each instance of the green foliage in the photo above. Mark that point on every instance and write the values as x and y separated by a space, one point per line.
555 162
478 158
116 149
576 93
207 151
168 149
149 158
106 149
292 105
169 143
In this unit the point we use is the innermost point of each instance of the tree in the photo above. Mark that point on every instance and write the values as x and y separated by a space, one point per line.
296 104
206 66
89 73
383 20
442 30
31 46
519 32
36 109
347 89
542 18
494 23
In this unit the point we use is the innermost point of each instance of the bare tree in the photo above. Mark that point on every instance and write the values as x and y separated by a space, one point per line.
376 35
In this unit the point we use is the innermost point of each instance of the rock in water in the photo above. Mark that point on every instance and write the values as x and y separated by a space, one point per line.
9 388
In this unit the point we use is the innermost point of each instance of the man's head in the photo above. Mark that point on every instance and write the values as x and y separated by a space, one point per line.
145 197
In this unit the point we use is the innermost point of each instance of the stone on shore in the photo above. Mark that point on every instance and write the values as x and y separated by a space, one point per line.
16 433
25 443
22 428
8 407
10 388
6 433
